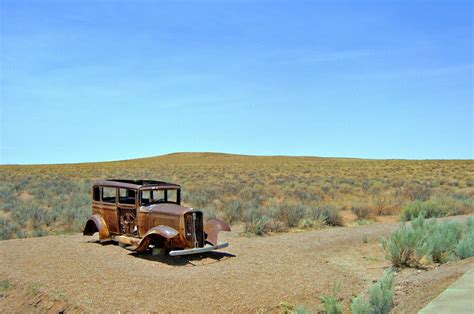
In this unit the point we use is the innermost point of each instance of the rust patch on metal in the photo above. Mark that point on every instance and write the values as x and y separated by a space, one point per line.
212 229
97 224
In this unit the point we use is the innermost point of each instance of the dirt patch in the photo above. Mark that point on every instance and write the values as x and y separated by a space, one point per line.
387 219
23 298
253 273
348 217
25 196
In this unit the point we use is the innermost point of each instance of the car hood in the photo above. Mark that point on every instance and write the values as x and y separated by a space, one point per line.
166 208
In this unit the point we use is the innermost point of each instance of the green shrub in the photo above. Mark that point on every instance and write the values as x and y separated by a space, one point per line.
5 284
73 218
420 192
470 224
22 213
16 231
365 238
401 246
290 213
308 223
210 212
360 305
4 232
40 217
380 297
8 199
333 217
285 307
262 225
381 293
39 233
200 197
259 226
326 213
256 220
329 214
233 211
331 304
442 242
465 247
429 208
301 309
315 211
429 240
4 229
363 222
438 206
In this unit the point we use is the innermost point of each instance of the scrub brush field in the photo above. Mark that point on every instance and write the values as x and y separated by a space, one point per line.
264 194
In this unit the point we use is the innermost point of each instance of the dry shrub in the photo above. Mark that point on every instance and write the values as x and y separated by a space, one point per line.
361 211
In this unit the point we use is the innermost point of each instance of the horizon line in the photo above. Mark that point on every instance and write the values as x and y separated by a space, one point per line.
234 154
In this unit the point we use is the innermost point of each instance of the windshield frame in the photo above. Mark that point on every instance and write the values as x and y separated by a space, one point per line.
165 189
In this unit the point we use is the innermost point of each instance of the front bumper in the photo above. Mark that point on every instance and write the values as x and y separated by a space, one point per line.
199 249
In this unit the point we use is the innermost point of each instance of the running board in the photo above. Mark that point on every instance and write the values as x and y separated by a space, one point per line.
199 249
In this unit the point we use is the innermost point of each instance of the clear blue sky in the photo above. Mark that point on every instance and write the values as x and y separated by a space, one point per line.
108 80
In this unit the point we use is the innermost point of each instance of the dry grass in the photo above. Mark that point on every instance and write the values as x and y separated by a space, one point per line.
290 191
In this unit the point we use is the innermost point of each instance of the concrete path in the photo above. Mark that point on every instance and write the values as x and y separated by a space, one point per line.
457 298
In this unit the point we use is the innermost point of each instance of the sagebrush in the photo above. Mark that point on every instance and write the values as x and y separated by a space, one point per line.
380 297
426 240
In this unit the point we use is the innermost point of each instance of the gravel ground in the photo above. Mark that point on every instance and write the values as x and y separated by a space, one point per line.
73 273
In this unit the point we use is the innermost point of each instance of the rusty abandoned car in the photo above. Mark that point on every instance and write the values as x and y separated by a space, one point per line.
143 214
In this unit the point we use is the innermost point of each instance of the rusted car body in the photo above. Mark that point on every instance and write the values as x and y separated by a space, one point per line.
143 214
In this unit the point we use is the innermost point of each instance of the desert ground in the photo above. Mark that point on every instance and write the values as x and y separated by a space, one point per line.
74 273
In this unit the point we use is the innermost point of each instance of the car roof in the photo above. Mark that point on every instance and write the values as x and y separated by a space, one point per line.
136 184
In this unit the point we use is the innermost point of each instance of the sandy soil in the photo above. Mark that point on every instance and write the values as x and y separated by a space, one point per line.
72 273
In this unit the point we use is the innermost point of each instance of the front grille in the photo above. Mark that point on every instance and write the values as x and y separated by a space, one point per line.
194 229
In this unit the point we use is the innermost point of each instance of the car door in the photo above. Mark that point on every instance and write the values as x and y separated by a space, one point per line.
108 208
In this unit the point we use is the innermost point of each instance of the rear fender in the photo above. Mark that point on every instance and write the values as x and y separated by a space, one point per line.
97 224
213 227
156 235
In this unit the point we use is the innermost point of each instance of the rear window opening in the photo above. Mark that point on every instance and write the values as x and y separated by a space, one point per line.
109 194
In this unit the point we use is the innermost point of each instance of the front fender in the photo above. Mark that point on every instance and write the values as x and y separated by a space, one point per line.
97 224
158 233
213 227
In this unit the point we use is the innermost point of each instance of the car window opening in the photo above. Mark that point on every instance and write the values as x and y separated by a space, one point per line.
149 197
127 196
